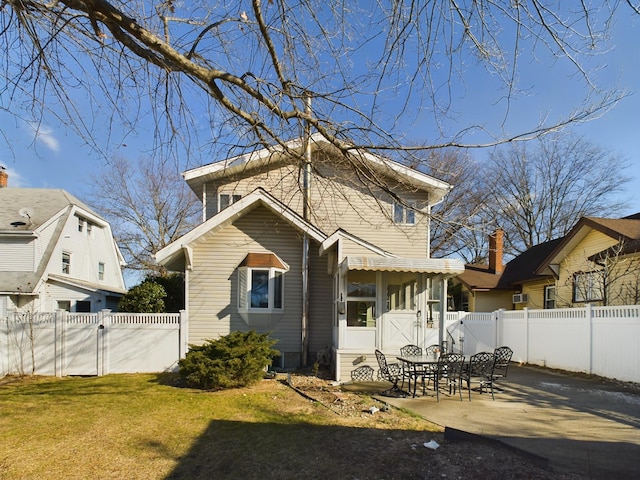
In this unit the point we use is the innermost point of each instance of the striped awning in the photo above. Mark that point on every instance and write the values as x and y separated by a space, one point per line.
436 266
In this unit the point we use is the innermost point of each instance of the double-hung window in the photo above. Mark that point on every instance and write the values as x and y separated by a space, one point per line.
404 213
550 296
100 271
261 283
66 262
588 287
226 199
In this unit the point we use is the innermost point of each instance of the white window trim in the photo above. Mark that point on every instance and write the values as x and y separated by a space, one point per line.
245 277
408 210
233 198
68 254
590 288
547 289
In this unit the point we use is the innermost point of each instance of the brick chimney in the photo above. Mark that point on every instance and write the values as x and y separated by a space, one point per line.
495 251
4 177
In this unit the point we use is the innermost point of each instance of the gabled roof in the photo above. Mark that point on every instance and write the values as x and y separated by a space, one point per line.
521 269
23 214
281 155
177 255
625 230
524 267
34 207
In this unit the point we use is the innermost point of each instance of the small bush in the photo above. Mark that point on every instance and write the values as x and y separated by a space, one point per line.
148 297
236 360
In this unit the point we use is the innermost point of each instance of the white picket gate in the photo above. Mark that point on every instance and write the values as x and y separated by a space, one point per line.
64 343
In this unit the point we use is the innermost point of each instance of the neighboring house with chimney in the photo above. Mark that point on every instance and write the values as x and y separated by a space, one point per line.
326 250
480 287
55 253
597 262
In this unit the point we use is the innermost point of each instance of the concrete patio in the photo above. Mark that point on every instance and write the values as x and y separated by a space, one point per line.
582 425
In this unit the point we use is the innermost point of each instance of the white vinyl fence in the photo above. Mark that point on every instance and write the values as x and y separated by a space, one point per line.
596 340
63 343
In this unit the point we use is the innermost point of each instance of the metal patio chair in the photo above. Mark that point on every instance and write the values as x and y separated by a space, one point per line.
364 373
501 359
407 373
479 370
391 372
448 374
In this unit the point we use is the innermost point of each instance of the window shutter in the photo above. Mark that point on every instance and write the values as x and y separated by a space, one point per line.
242 288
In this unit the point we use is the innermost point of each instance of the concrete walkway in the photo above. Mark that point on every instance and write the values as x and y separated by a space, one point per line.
580 425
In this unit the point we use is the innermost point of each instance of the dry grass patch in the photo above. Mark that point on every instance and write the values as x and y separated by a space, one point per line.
147 427
144 426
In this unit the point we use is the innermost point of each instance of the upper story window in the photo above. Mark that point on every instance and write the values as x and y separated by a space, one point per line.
550 296
226 199
588 287
66 262
100 271
261 283
404 214
85 226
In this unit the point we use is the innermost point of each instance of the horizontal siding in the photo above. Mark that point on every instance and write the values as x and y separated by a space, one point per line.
17 255
337 202
535 291
576 261
625 281
213 284
320 304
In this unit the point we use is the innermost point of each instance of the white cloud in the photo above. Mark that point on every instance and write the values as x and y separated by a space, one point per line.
45 135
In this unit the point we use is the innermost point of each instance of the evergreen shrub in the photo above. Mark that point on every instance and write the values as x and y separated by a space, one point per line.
235 360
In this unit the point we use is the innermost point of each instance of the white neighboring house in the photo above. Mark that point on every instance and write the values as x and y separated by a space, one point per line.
55 253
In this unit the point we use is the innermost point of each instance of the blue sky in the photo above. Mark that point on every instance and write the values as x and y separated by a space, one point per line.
55 157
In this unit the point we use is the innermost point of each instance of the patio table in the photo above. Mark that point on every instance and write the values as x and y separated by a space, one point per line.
421 365
418 366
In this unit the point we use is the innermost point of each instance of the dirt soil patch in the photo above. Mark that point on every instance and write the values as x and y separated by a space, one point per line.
430 453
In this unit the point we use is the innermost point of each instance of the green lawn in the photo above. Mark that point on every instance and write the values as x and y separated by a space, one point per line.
144 426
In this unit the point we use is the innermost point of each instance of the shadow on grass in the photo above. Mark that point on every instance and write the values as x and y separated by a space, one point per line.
235 449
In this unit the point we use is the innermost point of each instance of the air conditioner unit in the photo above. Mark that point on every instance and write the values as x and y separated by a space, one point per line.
521 298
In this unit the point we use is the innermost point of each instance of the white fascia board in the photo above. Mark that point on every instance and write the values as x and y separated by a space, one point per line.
242 161
232 212
340 234
421 180
415 177
75 209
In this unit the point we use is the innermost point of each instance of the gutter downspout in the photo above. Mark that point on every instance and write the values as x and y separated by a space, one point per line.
306 214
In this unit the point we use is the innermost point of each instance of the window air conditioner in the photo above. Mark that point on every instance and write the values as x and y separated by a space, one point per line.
520 298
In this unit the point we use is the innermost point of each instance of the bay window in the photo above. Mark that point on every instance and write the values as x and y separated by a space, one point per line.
261 283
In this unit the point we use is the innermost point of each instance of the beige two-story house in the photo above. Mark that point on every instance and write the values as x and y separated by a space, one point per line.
327 250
